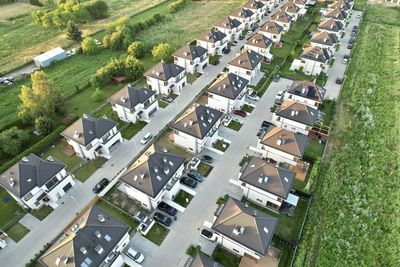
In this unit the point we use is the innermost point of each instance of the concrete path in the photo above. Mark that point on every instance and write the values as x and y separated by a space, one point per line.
30 221
338 69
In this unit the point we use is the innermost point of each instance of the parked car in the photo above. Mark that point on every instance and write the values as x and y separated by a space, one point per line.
100 185
226 51
163 219
260 132
6 82
240 113
167 99
339 80
279 98
146 138
197 176
135 255
353 34
345 59
352 40
208 235
207 159
189 182
350 46
266 124
227 120
254 96
167 208
241 37
241 49
277 78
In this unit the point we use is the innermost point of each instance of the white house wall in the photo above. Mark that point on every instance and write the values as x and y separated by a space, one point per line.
244 73
277 155
235 247
189 65
260 196
262 51
309 102
290 125
276 38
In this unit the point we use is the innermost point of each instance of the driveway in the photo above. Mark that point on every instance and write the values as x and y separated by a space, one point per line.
338 69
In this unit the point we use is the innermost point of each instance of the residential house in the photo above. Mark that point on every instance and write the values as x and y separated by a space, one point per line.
154 176
197 128
306 92
343 5
165 78
192 58
331 26
260 44
243 229
272 30
325 40
34 182
266 184
257 7
202 260
247 65
269 4
227 93
232 27
295 117
282 145
314 60
245 16
92 138
96 239
214 41
300 3
336 14
133 104
291 9
282 18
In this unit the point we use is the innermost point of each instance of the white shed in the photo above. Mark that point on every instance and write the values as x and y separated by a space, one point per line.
48 57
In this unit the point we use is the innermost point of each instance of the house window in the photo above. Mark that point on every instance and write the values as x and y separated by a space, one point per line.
237 251
278 118
248 72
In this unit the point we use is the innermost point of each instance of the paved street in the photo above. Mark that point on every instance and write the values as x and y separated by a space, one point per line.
338 68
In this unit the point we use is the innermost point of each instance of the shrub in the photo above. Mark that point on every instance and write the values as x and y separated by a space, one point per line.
98 9
193 250
163 51
12 140
44 125
73 33
137 49
98 95
89 46
177 5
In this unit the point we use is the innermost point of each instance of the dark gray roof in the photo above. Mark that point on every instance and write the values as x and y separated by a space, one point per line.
190 52
86 129
228 85
228 23
86 237
164 71
28 173
308 90
298 112
268 177
129 97
246 225
330 25
316 53
248 59
211 36
202 260
197 121
153 170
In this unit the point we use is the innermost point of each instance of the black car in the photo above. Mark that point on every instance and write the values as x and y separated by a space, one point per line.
100 185
349 46
226 51
241 37
352 40
276 78
339 80
163 219
197 176
207 159
167 208
266 124
189 182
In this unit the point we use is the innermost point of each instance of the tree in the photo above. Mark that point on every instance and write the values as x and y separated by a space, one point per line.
89 46
73 33
40 99
137 49
134 68
98 9
44 125
97 95
163 51
12 140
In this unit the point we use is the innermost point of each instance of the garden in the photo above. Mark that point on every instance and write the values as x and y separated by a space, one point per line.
235 125
183 198
157 234
221 145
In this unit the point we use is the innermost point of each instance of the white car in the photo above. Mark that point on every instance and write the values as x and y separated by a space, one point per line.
146 138
208 235
254 96
135 255
278 98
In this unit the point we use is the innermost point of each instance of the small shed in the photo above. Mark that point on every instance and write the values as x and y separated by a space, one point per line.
48 57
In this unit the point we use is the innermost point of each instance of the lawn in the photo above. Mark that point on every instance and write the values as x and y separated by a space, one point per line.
131 129
9 208
17 232
84 172
347 225
56 152
288 227
204 169
328 107
16 9
43 212
235 125
297 29
118 214
183 198
247 108
313 150
225 257
246 158
221 145
157 234
162 104
191 78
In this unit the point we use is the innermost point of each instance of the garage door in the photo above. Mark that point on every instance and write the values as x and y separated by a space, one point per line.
67 187
152 111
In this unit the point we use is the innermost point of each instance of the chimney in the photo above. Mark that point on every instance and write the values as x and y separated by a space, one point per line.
83 250
238 230
185 124
190 122
76 134
293 113
97 234
164 159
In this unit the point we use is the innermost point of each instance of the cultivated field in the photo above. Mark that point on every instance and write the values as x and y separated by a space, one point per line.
355 213
22 39
14 9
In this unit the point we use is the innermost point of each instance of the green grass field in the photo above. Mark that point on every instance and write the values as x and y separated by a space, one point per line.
8 210
17 232
157 234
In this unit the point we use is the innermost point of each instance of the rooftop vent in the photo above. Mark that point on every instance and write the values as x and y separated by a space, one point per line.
238 230
101 218
29 180
286 179
190 122
164 159
142 176
165 150
83 250
76 134
171 163
123 99
265 229
158 177
156 169
135 178
97 234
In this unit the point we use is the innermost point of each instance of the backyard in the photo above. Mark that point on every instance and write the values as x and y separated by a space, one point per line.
157 234
9 208
225 257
